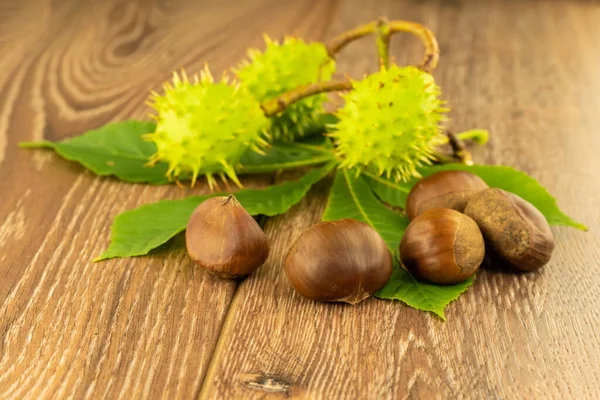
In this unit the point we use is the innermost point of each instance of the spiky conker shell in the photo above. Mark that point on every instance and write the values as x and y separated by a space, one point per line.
389 123
281 68
204 127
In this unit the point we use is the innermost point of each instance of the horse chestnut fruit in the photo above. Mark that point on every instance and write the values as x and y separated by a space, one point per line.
442 246
513 228
224 239
343 260
445 189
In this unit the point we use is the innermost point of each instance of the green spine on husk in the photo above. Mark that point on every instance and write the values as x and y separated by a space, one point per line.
283 67
204 127
390 123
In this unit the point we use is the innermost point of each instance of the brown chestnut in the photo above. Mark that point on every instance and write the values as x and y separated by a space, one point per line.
442 246
224 239
343 260
513 228
445 189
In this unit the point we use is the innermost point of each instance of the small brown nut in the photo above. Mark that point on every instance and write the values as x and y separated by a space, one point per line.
343 260
445 189
224 239
513 228
442 246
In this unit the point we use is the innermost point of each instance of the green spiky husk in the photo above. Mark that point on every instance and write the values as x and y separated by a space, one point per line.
390 123
281 68
204 127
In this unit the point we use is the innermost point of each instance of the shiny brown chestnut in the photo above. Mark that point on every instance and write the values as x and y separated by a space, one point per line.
224 239
344 260
445 189
513 228
442 246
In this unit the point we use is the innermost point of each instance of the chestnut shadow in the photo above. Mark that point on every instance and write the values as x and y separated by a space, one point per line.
495 264
176 243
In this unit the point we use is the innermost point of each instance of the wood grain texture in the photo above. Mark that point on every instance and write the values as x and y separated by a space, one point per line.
156 327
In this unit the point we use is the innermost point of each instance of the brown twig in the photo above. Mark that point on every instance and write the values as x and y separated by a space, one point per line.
459 149
278 104
432 50
340 41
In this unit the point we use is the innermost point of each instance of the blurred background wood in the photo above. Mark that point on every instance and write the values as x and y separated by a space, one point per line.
156 327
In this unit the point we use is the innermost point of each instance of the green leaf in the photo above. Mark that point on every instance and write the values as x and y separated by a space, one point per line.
502 177
287 156
136 232
119 149
421 295
351 197
277 199
115 149
393 193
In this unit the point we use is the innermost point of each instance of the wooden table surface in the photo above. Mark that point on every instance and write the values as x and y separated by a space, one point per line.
157 327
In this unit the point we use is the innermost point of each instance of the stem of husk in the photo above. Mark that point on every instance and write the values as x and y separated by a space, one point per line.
278 104
384 29
383 43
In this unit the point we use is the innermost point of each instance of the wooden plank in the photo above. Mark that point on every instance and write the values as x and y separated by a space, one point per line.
142 327
529 72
